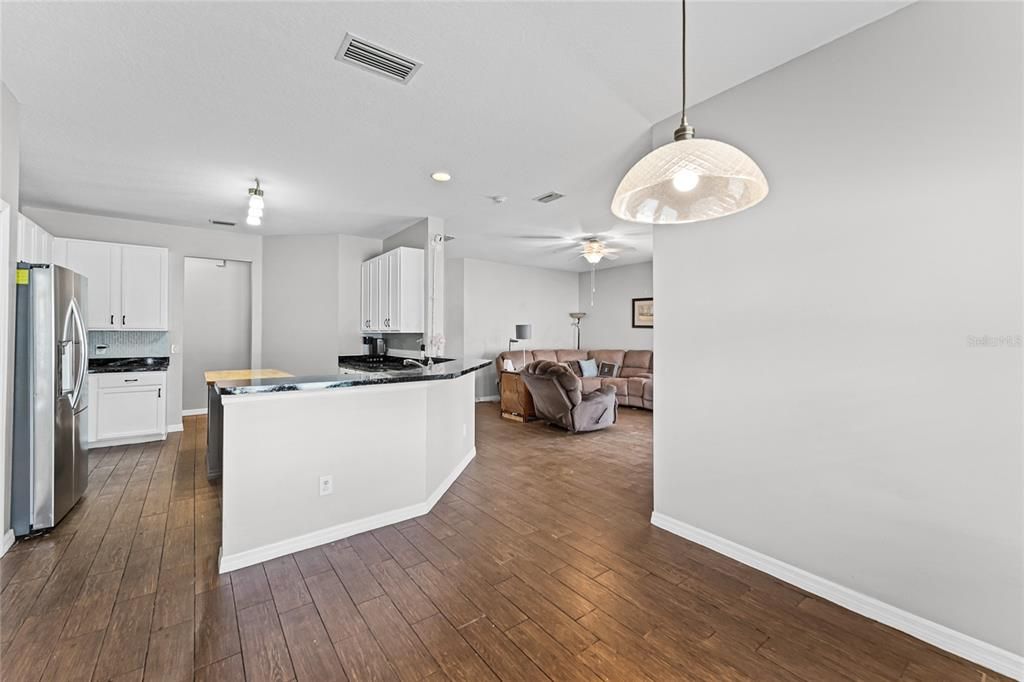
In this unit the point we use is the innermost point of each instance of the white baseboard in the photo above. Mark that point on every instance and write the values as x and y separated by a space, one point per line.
947 639
193 413
131 440
488 399
8 541
171 428
233 562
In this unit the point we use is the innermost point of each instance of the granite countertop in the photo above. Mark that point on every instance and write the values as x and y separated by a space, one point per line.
107 365
442 370
217 376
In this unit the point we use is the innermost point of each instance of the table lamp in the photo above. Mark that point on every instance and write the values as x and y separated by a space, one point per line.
523 332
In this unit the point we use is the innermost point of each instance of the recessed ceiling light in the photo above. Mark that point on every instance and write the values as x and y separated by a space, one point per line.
441 176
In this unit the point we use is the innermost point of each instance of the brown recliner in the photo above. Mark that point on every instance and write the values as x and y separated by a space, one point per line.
558 398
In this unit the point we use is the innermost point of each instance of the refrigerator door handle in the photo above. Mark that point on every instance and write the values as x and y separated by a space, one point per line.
83 353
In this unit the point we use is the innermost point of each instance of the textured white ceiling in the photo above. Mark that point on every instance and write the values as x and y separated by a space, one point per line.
165 111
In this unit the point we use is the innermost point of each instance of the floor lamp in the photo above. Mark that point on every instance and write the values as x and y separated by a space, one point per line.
577 319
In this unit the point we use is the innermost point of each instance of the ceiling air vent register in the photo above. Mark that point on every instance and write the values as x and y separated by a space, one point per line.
376 59
548 197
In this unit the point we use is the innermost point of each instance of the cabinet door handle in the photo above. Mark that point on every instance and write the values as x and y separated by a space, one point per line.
128 381
111 318
159 392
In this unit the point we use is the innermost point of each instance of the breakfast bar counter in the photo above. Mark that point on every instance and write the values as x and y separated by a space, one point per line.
310 460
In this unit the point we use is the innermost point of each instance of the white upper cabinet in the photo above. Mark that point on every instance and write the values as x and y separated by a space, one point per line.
35 245
392 292
100 263
127 284
143 287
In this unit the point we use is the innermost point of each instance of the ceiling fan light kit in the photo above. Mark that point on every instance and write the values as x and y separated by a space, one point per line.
690 179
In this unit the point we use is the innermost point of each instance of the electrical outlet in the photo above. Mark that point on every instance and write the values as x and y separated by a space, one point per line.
326 485
174 349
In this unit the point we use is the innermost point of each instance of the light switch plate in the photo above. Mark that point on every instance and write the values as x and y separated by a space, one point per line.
326 485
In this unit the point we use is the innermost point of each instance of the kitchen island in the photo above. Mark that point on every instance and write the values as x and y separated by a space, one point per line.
215 413
310 460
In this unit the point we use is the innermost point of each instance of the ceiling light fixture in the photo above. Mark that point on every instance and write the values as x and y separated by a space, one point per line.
690 179
441 176
255 216
593 251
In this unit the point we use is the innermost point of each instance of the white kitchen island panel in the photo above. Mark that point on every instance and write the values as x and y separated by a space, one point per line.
392 450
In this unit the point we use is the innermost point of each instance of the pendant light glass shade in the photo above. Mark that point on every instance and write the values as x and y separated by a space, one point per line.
687 181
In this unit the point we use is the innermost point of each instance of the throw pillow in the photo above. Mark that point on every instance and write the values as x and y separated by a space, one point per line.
608 369
589 368
574 366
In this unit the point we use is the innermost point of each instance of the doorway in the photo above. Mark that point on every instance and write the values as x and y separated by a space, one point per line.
218 324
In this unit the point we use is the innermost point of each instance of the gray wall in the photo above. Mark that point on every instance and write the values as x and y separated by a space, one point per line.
181 242
498 296
454 310
609 322
825 401
218 323
311 300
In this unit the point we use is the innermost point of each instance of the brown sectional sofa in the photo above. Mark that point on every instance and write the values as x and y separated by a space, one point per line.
634 386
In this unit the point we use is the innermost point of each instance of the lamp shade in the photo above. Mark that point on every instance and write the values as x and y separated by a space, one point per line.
523 331
689 180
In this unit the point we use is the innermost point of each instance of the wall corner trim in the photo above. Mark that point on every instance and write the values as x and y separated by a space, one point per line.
8 541
193 413
947 639
171 428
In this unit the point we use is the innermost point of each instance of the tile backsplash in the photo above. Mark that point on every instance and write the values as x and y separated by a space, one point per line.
129 344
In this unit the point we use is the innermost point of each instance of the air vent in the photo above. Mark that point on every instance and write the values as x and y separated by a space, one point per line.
377 59
549 197
225 223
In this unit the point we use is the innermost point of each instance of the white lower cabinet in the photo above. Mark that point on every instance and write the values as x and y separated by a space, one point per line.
127 407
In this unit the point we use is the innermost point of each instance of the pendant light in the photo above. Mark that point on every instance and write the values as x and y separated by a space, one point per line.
255 216
690 179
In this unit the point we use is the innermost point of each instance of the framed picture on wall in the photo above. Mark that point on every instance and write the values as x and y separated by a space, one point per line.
643 313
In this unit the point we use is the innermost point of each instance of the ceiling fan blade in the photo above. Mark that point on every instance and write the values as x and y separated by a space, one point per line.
611 256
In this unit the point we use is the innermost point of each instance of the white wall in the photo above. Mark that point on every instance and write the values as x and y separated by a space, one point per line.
609 322
218 323
498 296
10 174
823 403
181 242
311 300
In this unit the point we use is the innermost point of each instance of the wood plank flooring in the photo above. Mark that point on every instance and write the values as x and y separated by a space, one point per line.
539 563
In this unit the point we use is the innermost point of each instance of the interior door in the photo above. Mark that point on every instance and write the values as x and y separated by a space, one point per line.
143 273
100 264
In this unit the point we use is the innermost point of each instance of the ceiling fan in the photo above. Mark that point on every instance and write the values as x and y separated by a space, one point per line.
594 246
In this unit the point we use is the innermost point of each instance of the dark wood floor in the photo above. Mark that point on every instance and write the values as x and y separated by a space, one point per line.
539 563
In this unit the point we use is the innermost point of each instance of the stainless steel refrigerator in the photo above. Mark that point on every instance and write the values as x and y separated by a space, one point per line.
50 467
